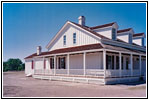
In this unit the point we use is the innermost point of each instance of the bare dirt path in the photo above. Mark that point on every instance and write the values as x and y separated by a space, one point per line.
15 84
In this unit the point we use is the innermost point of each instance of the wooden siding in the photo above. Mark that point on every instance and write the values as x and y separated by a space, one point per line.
82 38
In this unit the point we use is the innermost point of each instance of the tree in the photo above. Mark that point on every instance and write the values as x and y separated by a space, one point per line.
5 66
13 65
21 67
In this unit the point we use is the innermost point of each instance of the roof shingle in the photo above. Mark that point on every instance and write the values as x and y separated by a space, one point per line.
138 34
124 30
101 26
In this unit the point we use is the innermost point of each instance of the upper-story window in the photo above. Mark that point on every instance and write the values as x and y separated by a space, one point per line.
130 38
74 38
113 33
64 40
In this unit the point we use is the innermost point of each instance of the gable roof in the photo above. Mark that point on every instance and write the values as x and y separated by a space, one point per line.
102 26
124 30
138 34
81 27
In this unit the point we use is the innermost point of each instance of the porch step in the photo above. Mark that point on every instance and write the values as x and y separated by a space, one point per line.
71 79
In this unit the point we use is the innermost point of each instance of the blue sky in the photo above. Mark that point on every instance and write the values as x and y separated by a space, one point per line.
28 25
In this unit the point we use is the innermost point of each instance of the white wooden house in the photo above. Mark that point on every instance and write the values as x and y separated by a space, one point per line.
101 55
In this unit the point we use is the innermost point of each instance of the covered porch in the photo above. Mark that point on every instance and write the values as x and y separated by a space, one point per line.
97 63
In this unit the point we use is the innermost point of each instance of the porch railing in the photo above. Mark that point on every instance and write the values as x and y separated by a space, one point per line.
95 72
112 73
89 72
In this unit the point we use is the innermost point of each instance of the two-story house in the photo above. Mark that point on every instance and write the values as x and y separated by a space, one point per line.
101 54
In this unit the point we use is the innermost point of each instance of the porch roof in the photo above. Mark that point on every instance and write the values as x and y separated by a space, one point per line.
70 49
116 48
85 47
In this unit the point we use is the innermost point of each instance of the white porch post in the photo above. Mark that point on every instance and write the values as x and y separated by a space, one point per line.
104 62
34 66
120 62
49 63
43 66
84 63
55 65
49 67
131 63
68 67
140 62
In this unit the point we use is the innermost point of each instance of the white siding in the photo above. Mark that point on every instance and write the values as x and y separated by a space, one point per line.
107 32
76 61
82 38
124 38
28 67
94 61
39 63
138 41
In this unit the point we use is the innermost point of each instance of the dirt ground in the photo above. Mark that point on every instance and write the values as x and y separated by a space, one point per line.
15 84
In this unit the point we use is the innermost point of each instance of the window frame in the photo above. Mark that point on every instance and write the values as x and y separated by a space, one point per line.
64 40
74 38
113 34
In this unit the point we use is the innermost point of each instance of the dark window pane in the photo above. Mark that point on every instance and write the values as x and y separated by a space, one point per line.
122 62
117 62
106 61
74 38
52 63
113 33
112 62
62 63
127 63
64 40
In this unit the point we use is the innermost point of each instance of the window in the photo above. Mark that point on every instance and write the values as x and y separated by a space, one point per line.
130 38
32 64
113 33
61 63
109 62
74 38
52 63
117 62
64 40
122 60
112 61
136 63
127 63
44 64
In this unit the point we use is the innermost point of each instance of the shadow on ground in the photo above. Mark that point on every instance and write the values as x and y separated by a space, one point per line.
132 83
